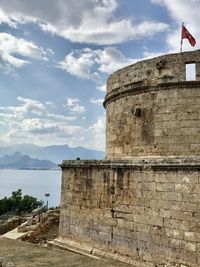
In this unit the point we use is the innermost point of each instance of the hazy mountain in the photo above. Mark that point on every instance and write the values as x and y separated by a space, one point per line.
55 153
19 161
10 159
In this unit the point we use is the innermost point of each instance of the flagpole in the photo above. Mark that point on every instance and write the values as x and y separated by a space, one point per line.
181 38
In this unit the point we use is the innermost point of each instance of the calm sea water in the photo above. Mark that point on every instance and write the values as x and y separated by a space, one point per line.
32 182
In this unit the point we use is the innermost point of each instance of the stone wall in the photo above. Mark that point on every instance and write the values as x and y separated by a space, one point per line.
162 69
142 211
152 110
4 262
10 224
169 123
142 204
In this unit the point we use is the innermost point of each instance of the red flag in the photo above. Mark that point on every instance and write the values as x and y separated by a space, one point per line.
187 35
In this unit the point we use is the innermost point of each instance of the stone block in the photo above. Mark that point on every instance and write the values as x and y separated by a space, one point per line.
176 224
165 187
192 236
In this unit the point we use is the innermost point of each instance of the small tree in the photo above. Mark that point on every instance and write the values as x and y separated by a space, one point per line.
19 204
29 203
16 199
5 205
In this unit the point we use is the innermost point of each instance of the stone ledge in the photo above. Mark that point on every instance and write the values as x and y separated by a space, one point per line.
155 163
93 252
73 246
135 89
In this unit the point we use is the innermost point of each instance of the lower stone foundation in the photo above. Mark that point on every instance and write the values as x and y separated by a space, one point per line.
142 211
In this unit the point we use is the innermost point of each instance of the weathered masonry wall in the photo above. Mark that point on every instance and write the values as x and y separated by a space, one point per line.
169 123
162 69
152 110
142 211
142 204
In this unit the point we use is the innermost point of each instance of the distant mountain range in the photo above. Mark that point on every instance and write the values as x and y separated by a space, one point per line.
19 161
56 154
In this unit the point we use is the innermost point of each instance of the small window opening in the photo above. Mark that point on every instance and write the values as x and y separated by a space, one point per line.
190 71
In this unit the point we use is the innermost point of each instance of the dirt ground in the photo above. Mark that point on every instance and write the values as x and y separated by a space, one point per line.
24 254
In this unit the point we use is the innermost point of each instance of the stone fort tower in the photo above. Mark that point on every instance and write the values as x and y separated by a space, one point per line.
141 204
152 110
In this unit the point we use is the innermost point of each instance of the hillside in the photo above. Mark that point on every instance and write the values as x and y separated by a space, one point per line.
54 153
19 161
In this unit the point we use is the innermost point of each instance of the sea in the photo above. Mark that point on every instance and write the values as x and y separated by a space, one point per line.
45 185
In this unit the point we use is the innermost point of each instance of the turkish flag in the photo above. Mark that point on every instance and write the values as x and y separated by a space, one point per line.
187 35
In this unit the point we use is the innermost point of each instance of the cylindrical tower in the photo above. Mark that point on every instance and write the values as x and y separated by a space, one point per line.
152 110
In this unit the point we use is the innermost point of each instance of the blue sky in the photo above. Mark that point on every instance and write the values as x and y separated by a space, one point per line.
57 55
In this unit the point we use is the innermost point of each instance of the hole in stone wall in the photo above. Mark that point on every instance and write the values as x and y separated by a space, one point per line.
190 71
136 112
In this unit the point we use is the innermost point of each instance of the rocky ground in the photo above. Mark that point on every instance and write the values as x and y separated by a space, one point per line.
39 227
44 226
17 253
34 251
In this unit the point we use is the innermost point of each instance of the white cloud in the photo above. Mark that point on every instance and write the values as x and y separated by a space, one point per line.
102 88
44 132
85 21
39 126
111 59
50 103
80 64
73 105
97 101
61 117
29 108
50 51
96 133
6 18
89 64
91 31
12 48
31 105
19 124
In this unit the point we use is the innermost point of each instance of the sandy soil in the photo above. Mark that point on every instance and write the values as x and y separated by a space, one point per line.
24 254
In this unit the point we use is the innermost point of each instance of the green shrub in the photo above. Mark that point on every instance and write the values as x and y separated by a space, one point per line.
17 203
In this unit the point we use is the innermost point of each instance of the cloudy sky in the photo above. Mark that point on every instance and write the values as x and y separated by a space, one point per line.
57 54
